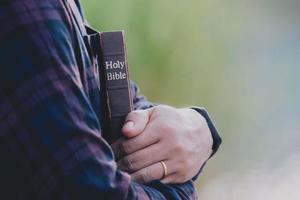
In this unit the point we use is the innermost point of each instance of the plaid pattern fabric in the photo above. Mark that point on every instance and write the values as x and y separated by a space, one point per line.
50 139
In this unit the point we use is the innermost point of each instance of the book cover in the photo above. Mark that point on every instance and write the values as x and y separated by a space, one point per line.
114 84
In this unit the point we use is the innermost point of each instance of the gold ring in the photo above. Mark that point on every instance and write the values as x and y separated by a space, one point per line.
163 164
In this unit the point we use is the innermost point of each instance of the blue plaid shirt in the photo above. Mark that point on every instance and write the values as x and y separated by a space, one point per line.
50 139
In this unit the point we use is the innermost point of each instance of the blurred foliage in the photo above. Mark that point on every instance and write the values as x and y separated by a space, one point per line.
171 48
240 59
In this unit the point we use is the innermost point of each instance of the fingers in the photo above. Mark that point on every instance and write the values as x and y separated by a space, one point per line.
142 158
178 173
171 178
124 147
156 172
150 173
135 122
118 148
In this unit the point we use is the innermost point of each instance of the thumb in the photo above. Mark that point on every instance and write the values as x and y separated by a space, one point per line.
135 123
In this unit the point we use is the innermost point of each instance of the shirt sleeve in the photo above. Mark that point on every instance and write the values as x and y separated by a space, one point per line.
48 127
217 140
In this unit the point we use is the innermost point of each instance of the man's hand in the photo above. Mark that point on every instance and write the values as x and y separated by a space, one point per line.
179 137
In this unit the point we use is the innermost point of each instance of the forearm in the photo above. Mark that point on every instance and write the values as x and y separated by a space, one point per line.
88 182
62 151
48 125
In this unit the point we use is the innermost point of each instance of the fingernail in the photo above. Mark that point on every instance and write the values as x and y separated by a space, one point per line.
129 125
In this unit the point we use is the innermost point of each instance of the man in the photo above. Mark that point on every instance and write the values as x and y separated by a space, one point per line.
51 145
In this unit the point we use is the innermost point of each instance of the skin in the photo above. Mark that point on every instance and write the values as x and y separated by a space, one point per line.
179 137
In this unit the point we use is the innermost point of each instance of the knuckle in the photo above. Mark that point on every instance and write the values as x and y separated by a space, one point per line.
143 176
125 148
129 163
178 148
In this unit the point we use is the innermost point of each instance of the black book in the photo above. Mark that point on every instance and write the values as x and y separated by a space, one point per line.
114 84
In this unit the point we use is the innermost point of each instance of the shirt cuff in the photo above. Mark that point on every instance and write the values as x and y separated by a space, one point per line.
214 132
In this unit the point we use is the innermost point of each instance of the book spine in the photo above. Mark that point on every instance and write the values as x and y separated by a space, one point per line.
114 84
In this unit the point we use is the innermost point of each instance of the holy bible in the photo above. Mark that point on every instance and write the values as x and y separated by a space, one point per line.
114 84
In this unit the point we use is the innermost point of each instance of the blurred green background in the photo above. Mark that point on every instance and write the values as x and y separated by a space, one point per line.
238 58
